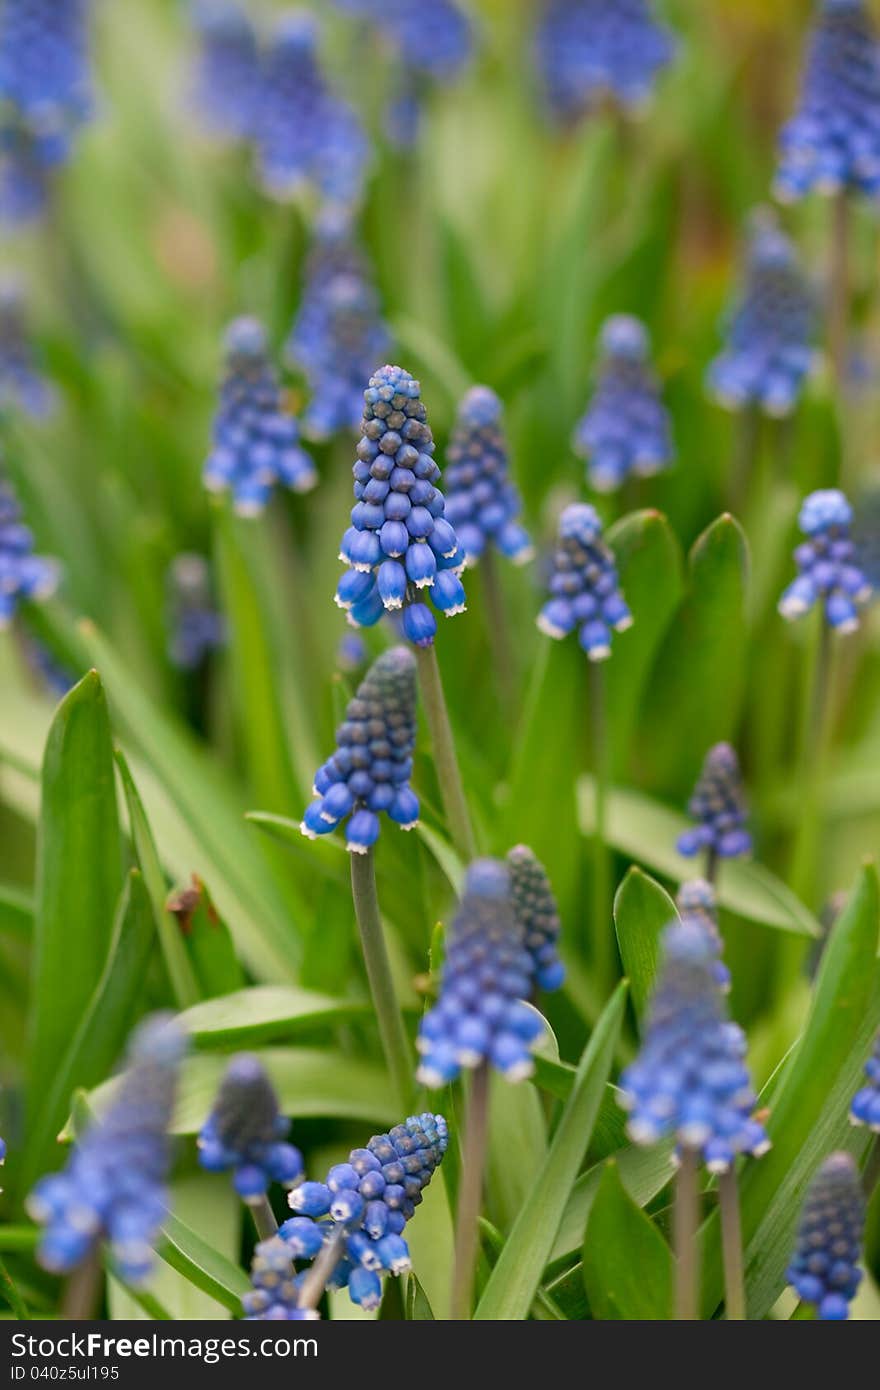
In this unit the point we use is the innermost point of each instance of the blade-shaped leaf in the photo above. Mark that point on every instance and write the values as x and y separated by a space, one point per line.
254 1015
627 1265
418 1309
642 908
213 1273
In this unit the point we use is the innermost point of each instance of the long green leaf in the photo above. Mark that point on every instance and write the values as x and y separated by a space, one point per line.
643 1172
627 1265
213 1273
266 1011
641 910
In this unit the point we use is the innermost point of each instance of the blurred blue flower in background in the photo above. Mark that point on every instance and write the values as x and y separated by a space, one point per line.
482 502
276 1289
828 569
719 808
54 677
584 585
245 1132
626 431
227 76
697 902
22 386
865 1108
824 1268
24 576
196 628
589 51
537 912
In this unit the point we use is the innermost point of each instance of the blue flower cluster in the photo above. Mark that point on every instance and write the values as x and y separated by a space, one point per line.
535 907
23 575
769 347
626 431
276 1286
719 808
833 141
482 502
195 627
227 79
45 95
589 51
21 384
399 542
256 445
696 902
370 770
365 1205
584 586
824 1268
865 1109
488 974
114 1183
245 1132
828 568
305 134
338 334
690 1078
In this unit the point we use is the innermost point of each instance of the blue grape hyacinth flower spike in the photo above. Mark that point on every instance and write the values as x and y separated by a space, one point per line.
113 1186
718 807
24 576
482 502
535 906
865 1109
828 569
370 771
227 74
584 585
275 1286
697 901
482 1015
592 51
22 385
245 1132
400 545
824 1268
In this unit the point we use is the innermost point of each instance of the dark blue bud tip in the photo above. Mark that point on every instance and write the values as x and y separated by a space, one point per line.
245 337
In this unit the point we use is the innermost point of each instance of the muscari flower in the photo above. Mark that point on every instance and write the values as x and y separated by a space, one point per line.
45 95
365 1205
246 1133
399 543
370 770
718 806
824 1268
227 77
865 1109
690 1079
536 910
626 431
481 1015
697 902
589 51
482 502
828 567
832 143
195 627
769 347
114 1184
276 1289
21 384
584 586
24 576
256 445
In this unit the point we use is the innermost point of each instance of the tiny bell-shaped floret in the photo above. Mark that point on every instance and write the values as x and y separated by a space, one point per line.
719 809
626 431
584 585
824 1267
482 502
246 1133
829 571
535 907
865 1109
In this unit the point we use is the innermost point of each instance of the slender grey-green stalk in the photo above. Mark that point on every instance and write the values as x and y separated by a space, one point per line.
686 1221
264 1218
445 760
839 287
395 1043
470 1194
732 1247
318 1276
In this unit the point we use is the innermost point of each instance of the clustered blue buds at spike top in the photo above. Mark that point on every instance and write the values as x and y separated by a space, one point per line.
24 576
865 1109
535 906
227 76
828 568
590 51
255 444
366 1203
718 806
21 384
45 95
399 545
697 901
690 1078
245 1132
770 334
369 772
832 143
114 1184
482 1015
196 628
824 1267
626 431
482 502
584 585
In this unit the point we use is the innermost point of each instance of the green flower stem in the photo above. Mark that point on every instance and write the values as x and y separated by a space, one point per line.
9 1291
498 623
445 760
603 932
395 1043
816 724
470 1194
732 1246
82 1291
264 1218
840 289
686 1221
711 866
318 1276
871 1174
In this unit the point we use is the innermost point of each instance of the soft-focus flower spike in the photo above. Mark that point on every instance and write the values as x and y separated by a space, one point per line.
195 627
227 78
771 331
626 431
482 502
399 536
865 1109
828 568
21 384
276 1286
584 585
719 808
113 1187
690 1079
824 1268
246 1133
535 907
833 141
697 902
369 772
488 974
591 51
256 445
24 576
